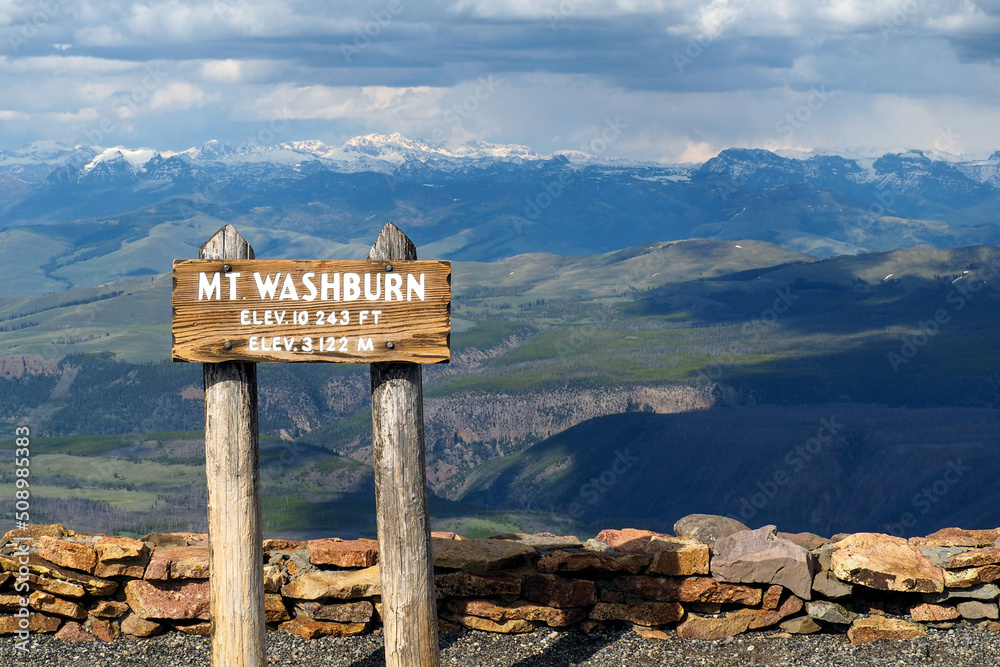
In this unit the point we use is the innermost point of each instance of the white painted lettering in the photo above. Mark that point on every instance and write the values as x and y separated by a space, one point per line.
352 286
288 289
393 283
414 287
206 287
268 285
307 281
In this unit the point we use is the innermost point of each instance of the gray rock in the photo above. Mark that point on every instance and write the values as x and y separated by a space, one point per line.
939 556
760 556
980 592
709 528
975 609
828 586
830 612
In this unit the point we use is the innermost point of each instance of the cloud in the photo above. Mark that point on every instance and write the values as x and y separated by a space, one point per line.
691 76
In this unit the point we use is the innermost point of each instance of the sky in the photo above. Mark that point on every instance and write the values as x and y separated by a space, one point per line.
664 80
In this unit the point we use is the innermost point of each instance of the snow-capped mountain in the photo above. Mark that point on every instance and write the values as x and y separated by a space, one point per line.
479 200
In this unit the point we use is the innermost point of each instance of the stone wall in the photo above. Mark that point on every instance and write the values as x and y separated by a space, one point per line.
715 579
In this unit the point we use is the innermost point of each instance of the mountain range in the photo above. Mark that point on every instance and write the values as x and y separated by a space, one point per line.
481 201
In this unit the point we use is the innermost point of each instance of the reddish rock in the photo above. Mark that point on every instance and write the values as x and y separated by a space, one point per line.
71 631
575 561
760 556
885 562
627 540
694 589
975 558
869 629
347 612
444 535
139 627
609 595
178 563
700 627
105 630
67 554
168 600
108 609
50 604
772 597
554 591
958 537
466 584
643 613
678 556
309 629
807 541
933 612
274 609
343 553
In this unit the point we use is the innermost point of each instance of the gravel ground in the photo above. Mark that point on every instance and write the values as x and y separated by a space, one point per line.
964 646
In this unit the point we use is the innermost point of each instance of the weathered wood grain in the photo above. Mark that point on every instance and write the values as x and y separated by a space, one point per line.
210 325
409 612
232 467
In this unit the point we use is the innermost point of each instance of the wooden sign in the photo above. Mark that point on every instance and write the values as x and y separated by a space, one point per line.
292 310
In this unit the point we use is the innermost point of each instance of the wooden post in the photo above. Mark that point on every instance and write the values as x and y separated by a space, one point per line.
232 466
409 611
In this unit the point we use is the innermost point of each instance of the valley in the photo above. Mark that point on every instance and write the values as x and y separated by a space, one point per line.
691 391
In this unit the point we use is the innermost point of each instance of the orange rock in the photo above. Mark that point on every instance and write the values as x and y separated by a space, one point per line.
628 540
885 562
641 613
309 629
972 576
879 627
933 612
139 627
958 537
678 556
67 554
36 623
178 563
341 553
975 558
274 609
700 627
109 609
105 630
112 549
50 604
